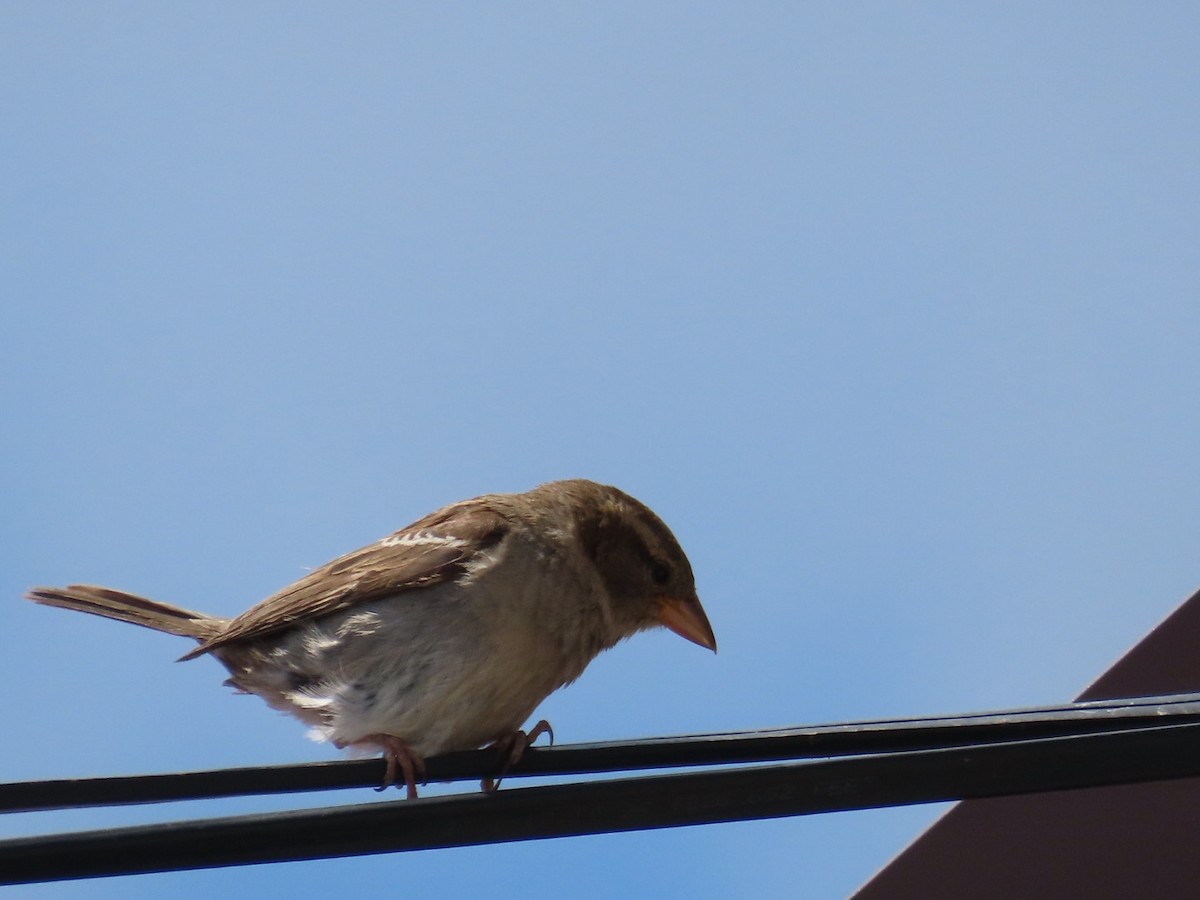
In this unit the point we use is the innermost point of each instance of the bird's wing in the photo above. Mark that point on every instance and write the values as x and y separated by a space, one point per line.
430 551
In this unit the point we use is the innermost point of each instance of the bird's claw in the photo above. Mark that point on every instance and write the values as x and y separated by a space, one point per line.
511 748
399 755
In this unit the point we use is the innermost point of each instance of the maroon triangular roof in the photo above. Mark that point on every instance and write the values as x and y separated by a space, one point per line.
1135 840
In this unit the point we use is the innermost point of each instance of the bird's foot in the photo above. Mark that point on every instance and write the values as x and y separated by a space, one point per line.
400 759
511 748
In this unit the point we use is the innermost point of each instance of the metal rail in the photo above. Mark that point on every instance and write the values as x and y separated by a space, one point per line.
884 764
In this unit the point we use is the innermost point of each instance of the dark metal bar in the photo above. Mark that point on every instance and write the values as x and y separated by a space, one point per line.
1143 754
728 748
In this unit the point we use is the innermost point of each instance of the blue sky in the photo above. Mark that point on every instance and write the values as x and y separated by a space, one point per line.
890 310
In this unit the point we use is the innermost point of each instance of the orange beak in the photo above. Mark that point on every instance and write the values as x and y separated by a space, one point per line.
687 619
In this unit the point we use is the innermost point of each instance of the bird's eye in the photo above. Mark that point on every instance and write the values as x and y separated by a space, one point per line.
660 571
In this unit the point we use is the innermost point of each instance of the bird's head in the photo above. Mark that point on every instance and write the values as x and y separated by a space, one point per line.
646 573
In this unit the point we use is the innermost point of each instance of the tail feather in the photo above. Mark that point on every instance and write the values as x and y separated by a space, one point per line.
112 604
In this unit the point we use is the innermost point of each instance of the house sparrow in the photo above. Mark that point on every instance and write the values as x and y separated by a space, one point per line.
447 634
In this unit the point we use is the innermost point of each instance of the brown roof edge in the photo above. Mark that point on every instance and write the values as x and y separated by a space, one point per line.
1116 842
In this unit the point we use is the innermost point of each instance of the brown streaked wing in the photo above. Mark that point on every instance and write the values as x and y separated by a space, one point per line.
397 563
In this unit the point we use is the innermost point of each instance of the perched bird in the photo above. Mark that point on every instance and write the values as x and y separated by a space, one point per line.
447 634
